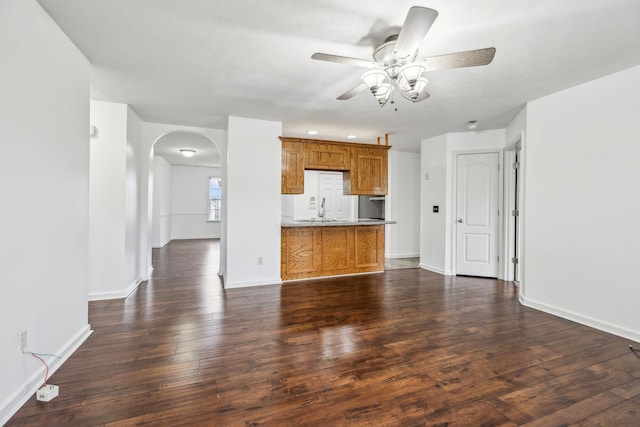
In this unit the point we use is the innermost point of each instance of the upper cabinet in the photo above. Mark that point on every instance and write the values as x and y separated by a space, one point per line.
327 156
292 181
364 166
368 172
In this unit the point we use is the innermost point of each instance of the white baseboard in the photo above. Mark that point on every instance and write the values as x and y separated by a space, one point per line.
232 285
13 403
435 269
401 255
161 245
582 319
198 237
99 296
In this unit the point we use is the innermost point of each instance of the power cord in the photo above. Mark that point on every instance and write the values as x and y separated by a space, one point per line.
634 350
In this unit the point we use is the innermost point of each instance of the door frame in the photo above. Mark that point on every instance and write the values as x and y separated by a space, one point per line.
452 217
517 144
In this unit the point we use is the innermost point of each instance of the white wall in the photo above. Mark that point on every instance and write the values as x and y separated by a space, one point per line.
302 206
44 219
433 160
583 203
190 203
518 125
402 240
114 210
132 274
113 203
161 202
253 202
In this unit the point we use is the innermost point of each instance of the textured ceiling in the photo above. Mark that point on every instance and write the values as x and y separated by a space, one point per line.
195 62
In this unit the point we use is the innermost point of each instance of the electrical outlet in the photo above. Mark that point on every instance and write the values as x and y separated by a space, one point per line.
22 341
259 260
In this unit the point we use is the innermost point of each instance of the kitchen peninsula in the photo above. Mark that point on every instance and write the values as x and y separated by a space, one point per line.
317 248
320 247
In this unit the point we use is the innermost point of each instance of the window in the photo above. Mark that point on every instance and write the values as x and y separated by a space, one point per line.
215 198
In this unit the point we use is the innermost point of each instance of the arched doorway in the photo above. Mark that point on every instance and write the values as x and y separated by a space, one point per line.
185 188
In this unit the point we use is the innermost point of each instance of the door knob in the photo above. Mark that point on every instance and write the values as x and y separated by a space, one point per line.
460 220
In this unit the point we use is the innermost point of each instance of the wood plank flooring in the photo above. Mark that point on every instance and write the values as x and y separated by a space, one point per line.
406 347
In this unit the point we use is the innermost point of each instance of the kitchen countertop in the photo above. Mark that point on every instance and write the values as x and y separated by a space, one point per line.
334 222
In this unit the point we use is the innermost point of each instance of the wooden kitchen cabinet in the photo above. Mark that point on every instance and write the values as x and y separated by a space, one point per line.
292 181
324 156
317 251
364 166
301 251
368 171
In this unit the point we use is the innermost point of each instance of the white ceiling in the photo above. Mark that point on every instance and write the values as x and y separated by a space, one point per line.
169 146
195 62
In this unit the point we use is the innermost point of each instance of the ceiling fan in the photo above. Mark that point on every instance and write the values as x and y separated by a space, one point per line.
395 65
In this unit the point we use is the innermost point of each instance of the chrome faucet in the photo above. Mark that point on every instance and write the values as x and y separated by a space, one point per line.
322 210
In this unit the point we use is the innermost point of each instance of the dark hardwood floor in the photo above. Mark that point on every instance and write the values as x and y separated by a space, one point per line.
407 347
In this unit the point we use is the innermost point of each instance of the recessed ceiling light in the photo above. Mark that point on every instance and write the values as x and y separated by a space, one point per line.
472 125
351 137
312 132
187 152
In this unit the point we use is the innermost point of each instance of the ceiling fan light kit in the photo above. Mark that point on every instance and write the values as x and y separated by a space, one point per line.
396 65
377 82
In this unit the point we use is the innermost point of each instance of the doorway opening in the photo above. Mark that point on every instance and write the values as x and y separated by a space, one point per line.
184 207
513 209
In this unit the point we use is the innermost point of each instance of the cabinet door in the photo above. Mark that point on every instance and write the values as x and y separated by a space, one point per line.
369 248
368 174
337 250
292 167
300 252
326 156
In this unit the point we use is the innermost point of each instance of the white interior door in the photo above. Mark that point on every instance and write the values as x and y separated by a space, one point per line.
477 214
330 188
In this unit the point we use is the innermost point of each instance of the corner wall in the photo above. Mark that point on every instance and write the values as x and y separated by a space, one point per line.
253 203
44 219
108 172
433 186
583 204
114 213
403 205
161 234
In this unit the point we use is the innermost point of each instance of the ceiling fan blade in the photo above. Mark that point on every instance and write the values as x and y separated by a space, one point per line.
469 58
353 92
416 25
344 60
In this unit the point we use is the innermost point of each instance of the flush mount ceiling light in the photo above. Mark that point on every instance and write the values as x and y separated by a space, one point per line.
472 125
396 65
187 152
312 132
351 137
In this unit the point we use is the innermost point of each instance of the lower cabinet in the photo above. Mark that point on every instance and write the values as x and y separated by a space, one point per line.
330 251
